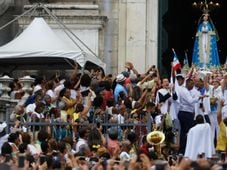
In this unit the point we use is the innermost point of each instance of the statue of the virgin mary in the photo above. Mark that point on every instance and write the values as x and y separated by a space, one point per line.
205 51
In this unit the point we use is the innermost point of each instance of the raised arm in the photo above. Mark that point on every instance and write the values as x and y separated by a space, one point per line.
219 113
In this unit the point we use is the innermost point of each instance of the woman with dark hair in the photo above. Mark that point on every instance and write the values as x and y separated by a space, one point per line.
107 93
6 149
95 140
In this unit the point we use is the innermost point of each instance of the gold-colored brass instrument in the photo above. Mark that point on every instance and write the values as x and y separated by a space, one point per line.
155 137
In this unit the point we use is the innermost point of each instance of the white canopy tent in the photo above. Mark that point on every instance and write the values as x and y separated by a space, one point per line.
39 45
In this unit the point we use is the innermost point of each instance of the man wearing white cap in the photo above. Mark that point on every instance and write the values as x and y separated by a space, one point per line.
120 79
186 111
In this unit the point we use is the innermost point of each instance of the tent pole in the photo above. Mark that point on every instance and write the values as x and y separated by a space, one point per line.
34 7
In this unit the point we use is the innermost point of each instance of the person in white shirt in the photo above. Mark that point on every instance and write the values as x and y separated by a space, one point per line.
214 92
121 114
224 95
199 140
186 111
82 144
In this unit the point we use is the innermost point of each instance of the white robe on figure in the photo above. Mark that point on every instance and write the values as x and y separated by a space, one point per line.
213 112
199 141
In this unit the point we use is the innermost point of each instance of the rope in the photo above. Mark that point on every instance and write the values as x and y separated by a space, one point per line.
62 24
55 19
18 17
69 62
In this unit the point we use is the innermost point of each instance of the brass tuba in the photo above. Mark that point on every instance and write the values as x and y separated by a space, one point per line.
155 137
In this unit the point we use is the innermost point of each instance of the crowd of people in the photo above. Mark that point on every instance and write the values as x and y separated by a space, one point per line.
96 121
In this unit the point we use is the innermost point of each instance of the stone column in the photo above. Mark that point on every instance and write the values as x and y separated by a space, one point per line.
138 33
152 33
5 80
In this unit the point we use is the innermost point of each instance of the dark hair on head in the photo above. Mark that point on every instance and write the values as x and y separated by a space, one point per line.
132 137
113 133
107 85
82 131
44 147
164 77
68 140
26 138
79 108
62 147
13 137
6 149
42 135
136 93
94 138
128 103
22 147
49 85
38 106
53 144
38 97
85 80
178 71
38 80
12 85
189 80
67 84
142 114
98 100
68 168
152 155
122 95
62 92
150 104
144 139
110 102
199 119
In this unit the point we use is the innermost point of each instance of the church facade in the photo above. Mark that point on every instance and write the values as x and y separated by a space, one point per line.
115 30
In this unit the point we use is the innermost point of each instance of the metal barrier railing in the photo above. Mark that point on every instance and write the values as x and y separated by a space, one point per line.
52 123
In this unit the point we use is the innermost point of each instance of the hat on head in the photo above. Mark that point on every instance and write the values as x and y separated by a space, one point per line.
180 76
120 78
37 88
2 126
62 81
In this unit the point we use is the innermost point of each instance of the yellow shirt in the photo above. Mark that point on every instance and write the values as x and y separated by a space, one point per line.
71 109
76 116
64 115
222 138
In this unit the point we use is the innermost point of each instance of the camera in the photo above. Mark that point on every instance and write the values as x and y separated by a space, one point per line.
21 159
42 159
223 156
